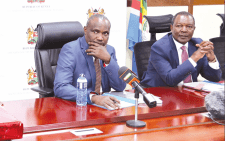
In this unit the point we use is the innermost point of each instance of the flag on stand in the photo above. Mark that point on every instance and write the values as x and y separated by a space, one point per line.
135 26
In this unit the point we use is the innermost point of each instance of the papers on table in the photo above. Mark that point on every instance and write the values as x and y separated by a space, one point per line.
206 86
127 99
130 95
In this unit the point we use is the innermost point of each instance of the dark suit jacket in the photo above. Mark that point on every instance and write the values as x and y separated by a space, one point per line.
73 60
164 69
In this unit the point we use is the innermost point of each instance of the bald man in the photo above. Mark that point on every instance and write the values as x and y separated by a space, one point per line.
78 57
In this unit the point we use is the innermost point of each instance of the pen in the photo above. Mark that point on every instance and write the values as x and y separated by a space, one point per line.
85 130
115 101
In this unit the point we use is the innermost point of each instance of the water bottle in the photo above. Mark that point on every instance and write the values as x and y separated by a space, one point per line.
81 99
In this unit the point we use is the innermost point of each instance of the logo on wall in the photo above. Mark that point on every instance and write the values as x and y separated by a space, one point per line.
32 36
145 30
32 76
32 1
95 11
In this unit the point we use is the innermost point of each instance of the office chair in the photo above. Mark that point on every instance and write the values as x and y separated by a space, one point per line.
219 46
157 24
51 38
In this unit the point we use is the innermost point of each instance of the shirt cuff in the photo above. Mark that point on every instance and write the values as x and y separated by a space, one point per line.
90 95
214 65
105 65
194 64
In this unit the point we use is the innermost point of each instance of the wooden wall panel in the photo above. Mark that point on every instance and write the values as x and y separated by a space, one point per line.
167 3
208 2
179 2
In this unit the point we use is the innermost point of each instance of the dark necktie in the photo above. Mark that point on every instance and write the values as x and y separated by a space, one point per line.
98 75
184 57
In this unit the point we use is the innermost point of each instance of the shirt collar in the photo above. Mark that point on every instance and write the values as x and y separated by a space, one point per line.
179 45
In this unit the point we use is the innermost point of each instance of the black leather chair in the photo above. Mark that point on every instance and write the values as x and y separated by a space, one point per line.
51 38
157 24
219 46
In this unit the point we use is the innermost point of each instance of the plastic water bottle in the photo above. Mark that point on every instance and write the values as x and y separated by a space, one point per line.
81 98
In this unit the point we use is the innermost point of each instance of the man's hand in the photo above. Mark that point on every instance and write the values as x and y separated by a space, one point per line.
204 48
106 101
207 47
98 51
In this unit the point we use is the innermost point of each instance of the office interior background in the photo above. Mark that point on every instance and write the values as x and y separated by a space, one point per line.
20 18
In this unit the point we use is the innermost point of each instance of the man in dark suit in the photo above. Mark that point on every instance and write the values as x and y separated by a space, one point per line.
178 58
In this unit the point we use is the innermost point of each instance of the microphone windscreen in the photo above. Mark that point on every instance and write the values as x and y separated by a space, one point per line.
215 104
122 70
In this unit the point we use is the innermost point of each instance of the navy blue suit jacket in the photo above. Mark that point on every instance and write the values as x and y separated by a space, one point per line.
73 60
164 69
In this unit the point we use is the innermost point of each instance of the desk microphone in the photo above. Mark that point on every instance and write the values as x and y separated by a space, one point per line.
131 78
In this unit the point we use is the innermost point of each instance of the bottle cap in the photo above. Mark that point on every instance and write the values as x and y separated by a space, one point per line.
82 75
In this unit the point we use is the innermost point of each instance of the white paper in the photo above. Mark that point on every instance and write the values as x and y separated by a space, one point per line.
130 95
124 104
86 131
208 86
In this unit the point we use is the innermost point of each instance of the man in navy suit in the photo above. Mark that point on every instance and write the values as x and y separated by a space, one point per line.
78 57
165 67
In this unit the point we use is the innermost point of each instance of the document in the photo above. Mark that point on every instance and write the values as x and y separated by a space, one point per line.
130 95
124 102
206 86
127 99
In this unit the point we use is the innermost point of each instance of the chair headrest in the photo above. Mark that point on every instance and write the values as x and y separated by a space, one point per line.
217 39
159 24
222 26
55 35
222 16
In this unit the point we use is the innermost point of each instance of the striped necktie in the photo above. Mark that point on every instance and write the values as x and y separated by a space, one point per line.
98 75
184 57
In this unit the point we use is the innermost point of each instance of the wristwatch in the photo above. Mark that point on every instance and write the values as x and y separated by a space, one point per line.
213 61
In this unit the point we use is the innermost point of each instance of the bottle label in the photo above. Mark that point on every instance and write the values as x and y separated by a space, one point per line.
82 85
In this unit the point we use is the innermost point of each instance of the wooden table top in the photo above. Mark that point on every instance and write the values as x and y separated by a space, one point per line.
45 114
187 127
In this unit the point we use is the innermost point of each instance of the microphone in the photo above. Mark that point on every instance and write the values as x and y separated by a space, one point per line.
131 78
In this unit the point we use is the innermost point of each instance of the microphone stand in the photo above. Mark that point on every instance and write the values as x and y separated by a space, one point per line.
136 122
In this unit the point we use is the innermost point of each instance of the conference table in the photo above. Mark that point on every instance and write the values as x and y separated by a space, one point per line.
181 116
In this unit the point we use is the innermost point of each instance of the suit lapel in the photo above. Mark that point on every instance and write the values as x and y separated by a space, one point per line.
191 48
89 60
174 51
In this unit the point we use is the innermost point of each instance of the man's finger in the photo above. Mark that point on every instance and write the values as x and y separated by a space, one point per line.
115 100
205 42
94 44
108 107
93 47
211 46
197 45
89 50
